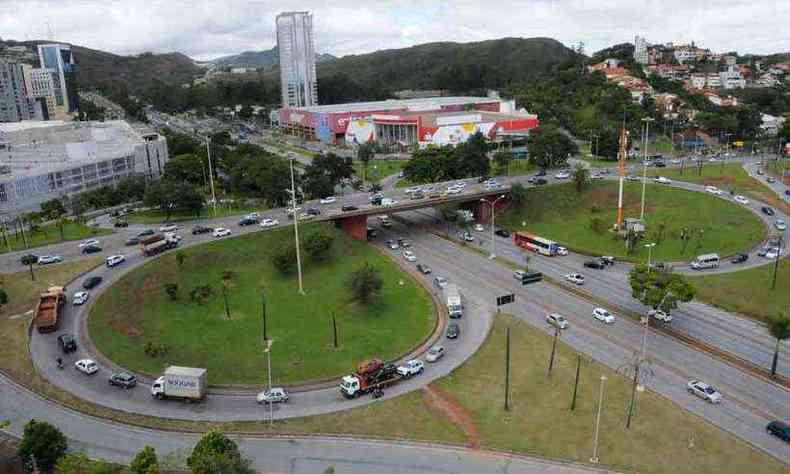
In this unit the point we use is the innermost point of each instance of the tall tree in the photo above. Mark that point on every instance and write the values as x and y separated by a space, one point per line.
779 327
660 289
215 453
581 177
548 146
365 283
187 168
325 172
42 444
365 153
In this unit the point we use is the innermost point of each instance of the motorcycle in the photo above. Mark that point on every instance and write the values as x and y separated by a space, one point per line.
59 361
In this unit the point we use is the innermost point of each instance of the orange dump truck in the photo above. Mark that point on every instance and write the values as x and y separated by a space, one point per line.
47 312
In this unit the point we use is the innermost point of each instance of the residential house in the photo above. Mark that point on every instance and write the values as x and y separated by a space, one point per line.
771 124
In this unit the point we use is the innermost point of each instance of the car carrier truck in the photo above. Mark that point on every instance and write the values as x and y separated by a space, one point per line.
370 375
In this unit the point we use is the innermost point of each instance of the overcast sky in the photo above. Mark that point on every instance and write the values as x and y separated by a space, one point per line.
208 29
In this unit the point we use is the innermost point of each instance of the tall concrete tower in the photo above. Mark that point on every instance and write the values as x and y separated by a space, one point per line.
296 48
640 50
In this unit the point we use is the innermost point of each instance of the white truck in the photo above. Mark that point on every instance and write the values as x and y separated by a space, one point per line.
184 383
465 215
452 299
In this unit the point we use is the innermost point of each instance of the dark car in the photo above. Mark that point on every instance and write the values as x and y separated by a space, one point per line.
312 211
740 258
787 192
123 380
348 208
768 211
91 249
28 259
372 233
247 221
607 260
453 331
146 233
92 282
661 266
67 342
502 233
659 164
540 181
596 264
482 179
542 172
424 269
121 224
133 241
199 229
779 429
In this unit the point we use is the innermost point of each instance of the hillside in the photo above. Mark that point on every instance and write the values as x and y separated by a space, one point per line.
99 69
265 59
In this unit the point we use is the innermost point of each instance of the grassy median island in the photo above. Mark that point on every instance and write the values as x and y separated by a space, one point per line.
50 234
137 311
582 221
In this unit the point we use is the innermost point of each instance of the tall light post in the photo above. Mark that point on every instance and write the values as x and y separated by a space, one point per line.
594 458
296 226
493 213
211 176
268 351
649 248
647 121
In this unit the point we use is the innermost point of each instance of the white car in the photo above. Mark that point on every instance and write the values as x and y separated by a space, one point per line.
47 259
741 200
387 202
562 251
704 391
596 176
409 256
221 232
714 190
79 298
779 224
86 366
577 278
453 190
603 315
659 315
253 215
434 353
557 320
269 222
328 200
676 161
479 228
773 253
562 175
411 368
89 243
663 180
713 160
173 236
275 395
441 282
114 260
168 228
519 275
305 216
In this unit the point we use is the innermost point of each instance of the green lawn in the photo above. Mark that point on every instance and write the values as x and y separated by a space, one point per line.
157 217
136 310
50 234
379 169
561 214
748 291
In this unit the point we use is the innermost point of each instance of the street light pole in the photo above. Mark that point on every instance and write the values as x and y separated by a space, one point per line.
211 176
647 121
594 458
268 352
296 228
493 213
649 248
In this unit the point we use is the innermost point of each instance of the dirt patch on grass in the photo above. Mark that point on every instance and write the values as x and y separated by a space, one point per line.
446 405
125 328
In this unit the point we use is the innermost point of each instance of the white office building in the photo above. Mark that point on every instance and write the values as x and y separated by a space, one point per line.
640 50
15 104
40 161
296 50
59 61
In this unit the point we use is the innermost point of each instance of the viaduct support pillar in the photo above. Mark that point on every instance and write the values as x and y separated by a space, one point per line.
355 226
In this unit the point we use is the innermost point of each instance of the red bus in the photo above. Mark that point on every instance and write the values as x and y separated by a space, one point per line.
536 244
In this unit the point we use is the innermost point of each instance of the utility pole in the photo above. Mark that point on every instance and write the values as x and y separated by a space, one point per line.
296 228
268 351
594 458
647 121
633 396
776 262
211 176
493 213
334 328
576 382
554 348
507 371
263 315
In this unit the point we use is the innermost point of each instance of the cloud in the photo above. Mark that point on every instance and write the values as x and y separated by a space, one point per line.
205 29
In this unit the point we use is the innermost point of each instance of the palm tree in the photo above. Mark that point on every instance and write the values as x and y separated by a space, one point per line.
778 327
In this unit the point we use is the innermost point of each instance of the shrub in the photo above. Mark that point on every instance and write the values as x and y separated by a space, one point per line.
284 259
145 462
201 294
155 349
365 283
318 244
43 442
597 225
172 290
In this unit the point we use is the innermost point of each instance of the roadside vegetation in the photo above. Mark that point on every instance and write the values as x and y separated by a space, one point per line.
213 318
157 216
42 235
583 221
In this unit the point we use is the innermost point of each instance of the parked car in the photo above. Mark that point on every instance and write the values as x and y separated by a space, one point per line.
92 282
453 331
146 233
577 278
67 343
596 264
123 380
502 233
439 281
768 211
411 368
199 229
86 366
247 221
424 269
79 298
114 260
603 315
88 243
741 200
91 249
47 259
221 232
704 391
328 200
779 224
434 354
274 395
779 429
132 241
557 320
168 228
740 257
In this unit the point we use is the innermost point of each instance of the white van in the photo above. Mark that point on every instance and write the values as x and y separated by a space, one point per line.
710 260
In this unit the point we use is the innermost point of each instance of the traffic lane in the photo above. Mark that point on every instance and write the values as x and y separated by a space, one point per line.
740 336
778 187
44 351
615 346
